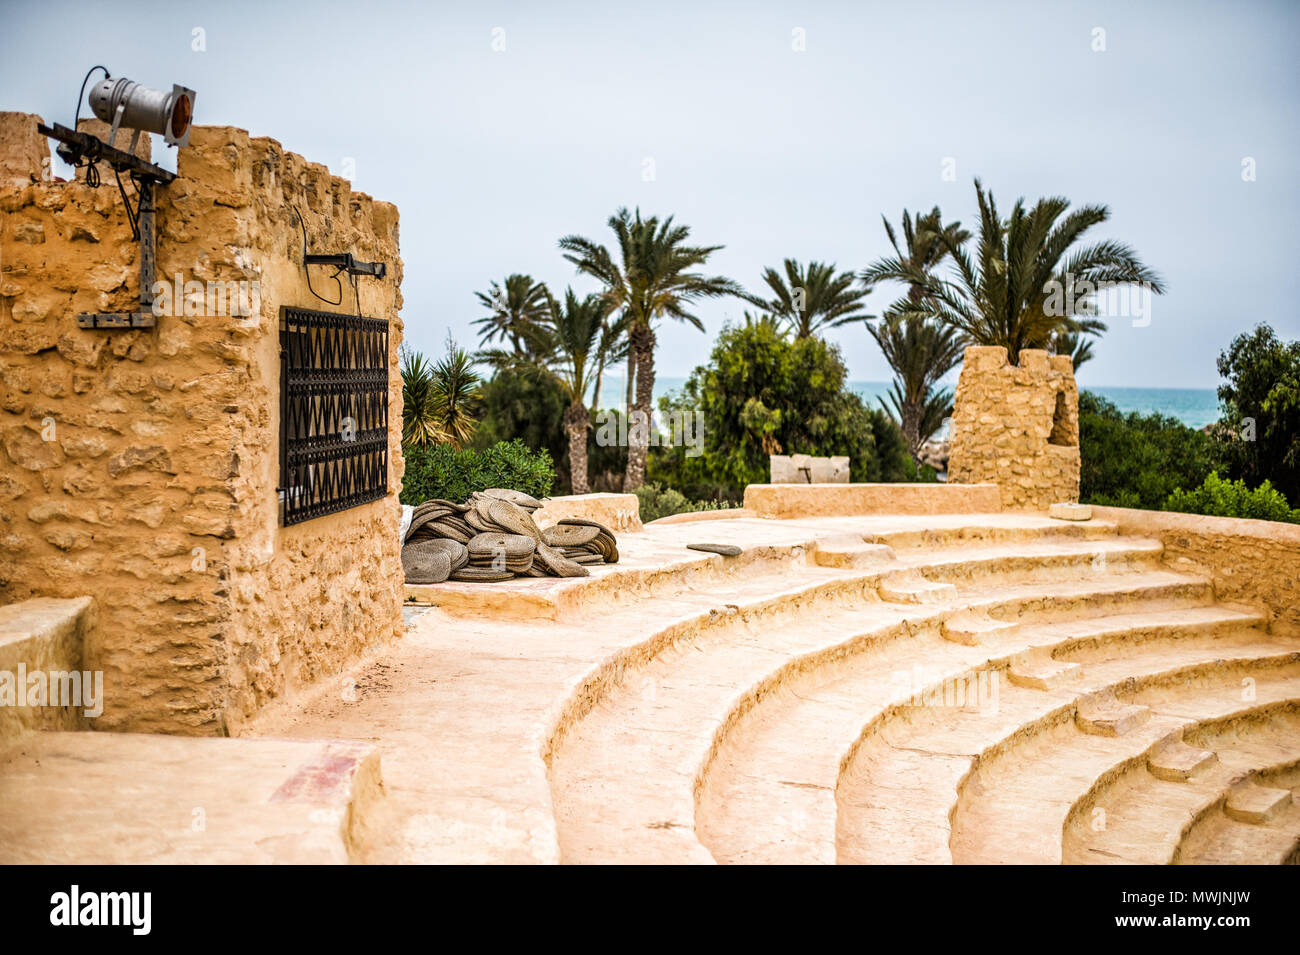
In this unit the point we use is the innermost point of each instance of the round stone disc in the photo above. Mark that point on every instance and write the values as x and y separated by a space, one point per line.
425 564
481 575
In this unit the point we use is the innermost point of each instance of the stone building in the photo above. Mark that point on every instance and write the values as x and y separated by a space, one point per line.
1017 426
141 466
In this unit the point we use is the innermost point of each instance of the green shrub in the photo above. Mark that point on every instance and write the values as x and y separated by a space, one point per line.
1222 498
1259 433
657 501
1134 460
764 393
440 470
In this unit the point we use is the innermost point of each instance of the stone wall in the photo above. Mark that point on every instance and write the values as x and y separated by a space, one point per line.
1256 563
140 467
1017 427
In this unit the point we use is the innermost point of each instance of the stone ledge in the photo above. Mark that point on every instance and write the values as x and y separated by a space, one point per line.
621 513
831 500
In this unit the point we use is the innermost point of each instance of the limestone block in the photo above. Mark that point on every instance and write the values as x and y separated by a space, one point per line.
1070 512
24 153
806 469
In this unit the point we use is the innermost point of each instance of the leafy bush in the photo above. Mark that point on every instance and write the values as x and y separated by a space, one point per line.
1233 499
657 501
440 470
763 393
524 403
1259 434
1134 460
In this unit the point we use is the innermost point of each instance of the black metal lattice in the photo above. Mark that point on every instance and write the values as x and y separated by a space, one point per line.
333 412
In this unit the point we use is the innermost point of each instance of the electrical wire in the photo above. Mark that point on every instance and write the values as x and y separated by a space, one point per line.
352 279
307 271
92 173
76 117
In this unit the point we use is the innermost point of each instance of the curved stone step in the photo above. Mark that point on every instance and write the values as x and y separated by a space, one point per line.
1037 559
769 797
921 756
937 534
677 686
1215 838
1013 805
608 781
1147 811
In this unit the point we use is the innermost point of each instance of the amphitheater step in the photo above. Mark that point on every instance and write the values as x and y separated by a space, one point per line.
41 645
1178 762
1111 718
126 798
1257 805
1154 813
770 797
973 629
913 758
850 551
1036 559
1041 671
1215 838
912 588
971 531
1014 808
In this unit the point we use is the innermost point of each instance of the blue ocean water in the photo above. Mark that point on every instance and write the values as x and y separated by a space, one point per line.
1194 407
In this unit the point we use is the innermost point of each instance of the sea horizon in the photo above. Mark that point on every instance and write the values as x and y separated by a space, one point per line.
1194 407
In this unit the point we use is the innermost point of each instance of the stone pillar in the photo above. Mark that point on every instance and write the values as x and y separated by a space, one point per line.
1017 427
140 466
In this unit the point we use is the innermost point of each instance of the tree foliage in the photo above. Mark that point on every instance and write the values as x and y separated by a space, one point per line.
1135 460
765 393
653 276
1259 431
1026 281
808 300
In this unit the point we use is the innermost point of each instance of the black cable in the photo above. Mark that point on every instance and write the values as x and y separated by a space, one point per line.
76 116
307 271
92 174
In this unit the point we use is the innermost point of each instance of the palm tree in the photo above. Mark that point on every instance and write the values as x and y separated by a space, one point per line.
919 350
811 299
1074 344
1024 284
926 241
576 338
420 418
514 312
653 278
455 391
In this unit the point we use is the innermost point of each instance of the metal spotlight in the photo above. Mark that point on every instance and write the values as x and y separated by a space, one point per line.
124 102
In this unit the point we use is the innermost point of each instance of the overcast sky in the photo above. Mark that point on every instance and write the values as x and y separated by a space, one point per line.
497 128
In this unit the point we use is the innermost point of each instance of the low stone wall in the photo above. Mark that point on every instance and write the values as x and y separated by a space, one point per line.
621 513
829 500
1250 562
140 467
1017 426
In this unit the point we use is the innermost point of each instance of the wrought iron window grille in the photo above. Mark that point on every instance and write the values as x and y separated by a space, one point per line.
333 412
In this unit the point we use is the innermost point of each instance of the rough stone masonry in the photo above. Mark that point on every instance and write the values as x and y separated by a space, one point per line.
140 467
1017 426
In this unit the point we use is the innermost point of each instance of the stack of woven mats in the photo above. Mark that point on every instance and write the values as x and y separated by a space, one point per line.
493 537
